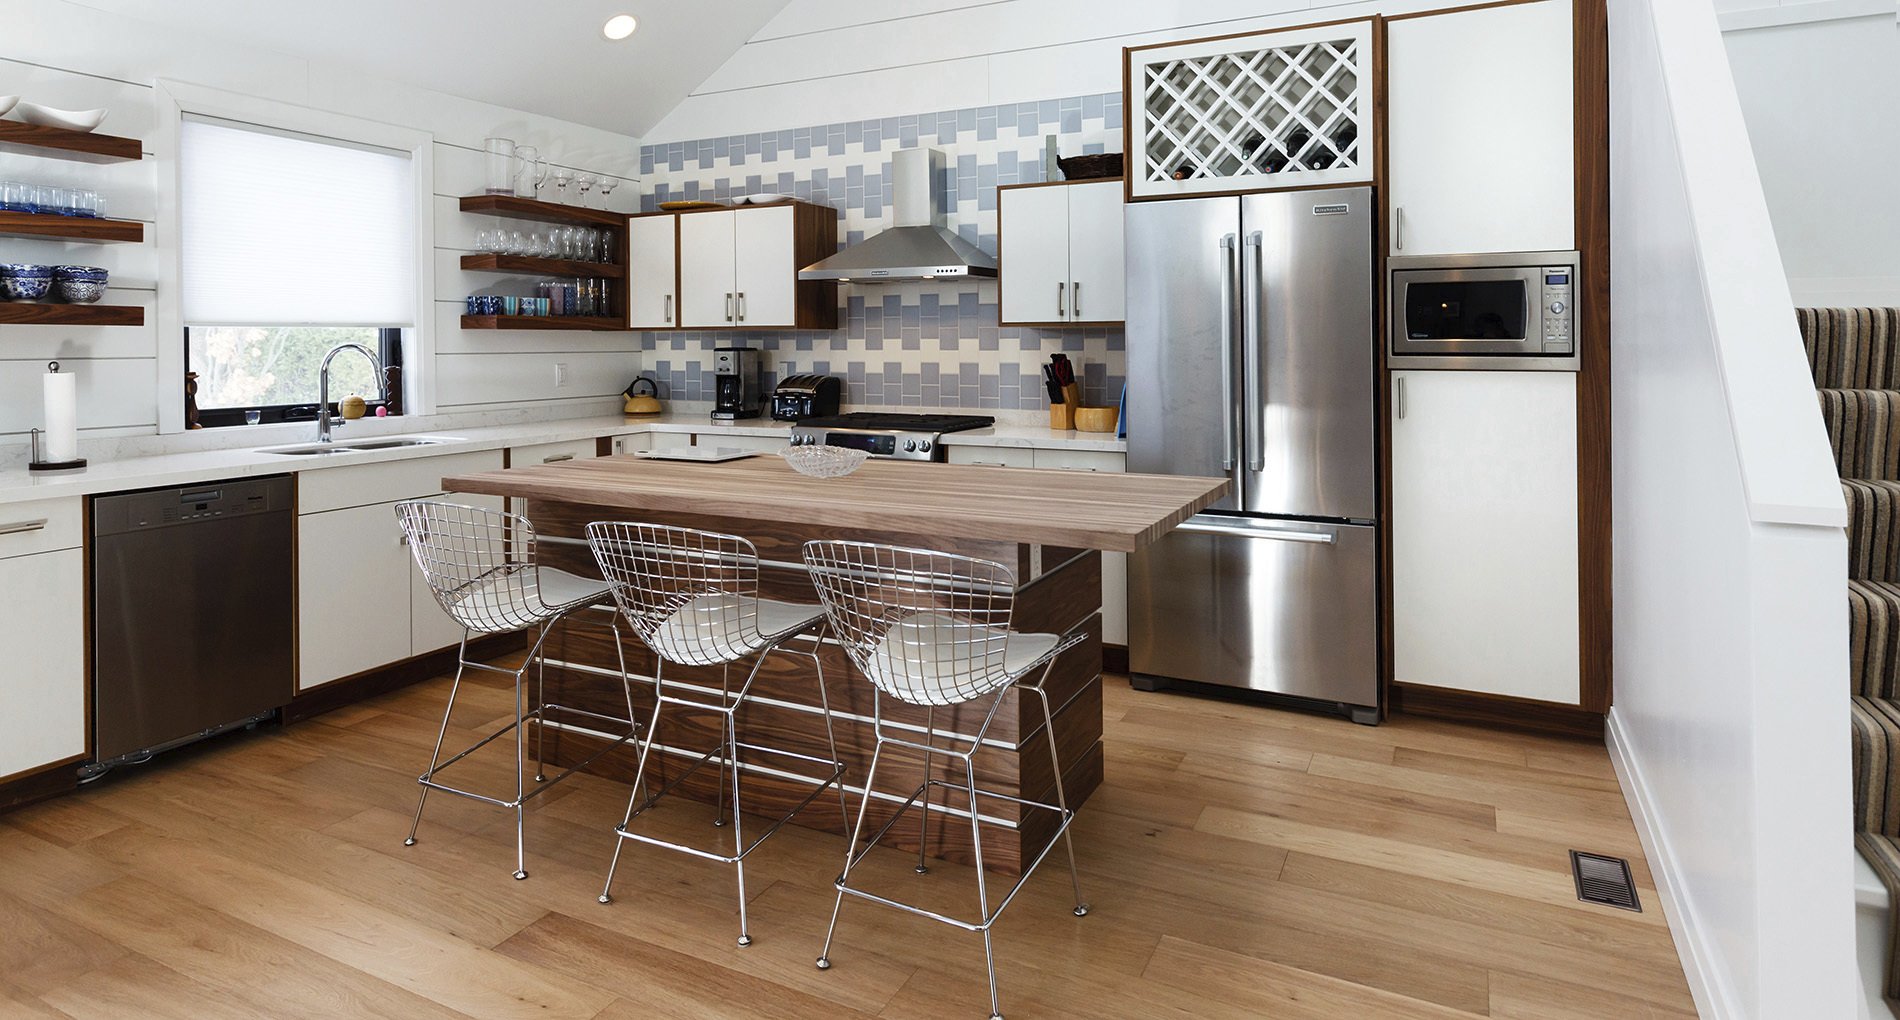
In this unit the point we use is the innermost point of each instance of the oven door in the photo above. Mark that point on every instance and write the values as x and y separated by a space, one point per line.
1472 311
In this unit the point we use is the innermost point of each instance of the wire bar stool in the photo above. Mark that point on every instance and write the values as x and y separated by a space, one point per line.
480 565
932 629
693 597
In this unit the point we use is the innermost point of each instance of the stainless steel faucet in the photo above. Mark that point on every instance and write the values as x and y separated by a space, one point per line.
323 385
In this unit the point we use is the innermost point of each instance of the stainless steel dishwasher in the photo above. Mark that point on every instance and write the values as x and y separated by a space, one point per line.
192 613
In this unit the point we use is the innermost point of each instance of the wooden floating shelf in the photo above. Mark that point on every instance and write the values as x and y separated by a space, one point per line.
28 314
587 322
62 143
546 212
69 228
547 267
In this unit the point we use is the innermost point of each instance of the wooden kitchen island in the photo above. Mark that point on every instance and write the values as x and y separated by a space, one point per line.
1051 526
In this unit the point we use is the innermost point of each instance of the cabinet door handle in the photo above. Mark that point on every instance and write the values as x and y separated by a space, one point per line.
742 306
1075 298
667 314
1398 227
22 527
728 306
1399 400
557 458
1061 312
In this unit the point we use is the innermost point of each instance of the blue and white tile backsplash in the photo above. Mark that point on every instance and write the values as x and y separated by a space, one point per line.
907 344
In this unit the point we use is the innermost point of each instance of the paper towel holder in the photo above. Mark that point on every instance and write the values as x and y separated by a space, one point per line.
36 464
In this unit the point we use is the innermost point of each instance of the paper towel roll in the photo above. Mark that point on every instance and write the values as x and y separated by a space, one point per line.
61 442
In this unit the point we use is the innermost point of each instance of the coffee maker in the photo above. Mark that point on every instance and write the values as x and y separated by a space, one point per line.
736 393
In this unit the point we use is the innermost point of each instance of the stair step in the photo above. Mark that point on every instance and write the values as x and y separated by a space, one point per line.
1863 426
1852 348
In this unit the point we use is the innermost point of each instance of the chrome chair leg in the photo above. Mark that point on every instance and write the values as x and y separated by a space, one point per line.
923 814
982 884
850 854
738 827
461 663
521 807
639 778
1062 801
719 788
540 701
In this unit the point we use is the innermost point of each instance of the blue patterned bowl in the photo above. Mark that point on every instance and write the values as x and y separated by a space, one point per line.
25 282
81 292
92 274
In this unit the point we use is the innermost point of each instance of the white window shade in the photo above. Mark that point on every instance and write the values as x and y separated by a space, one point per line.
279 229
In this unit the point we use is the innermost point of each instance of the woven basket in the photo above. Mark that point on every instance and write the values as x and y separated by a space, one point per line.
1082 168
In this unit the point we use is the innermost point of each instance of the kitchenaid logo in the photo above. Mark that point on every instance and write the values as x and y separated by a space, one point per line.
1339 209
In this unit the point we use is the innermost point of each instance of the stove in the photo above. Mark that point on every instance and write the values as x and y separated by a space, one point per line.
902 436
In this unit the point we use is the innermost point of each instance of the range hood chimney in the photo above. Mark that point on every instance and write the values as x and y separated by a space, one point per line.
918 246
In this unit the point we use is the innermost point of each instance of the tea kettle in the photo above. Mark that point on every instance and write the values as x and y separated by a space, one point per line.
647 402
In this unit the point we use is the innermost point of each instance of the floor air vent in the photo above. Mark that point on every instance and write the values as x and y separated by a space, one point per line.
1604 880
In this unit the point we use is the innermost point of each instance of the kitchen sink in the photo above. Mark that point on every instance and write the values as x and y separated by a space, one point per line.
361 446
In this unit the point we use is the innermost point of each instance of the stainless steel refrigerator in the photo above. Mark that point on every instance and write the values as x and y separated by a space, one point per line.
1250 355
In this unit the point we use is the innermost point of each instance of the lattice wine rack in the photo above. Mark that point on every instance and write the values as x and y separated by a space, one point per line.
1252 113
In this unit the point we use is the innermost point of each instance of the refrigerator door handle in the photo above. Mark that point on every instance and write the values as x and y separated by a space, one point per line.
1253 416
1207 526
1228 311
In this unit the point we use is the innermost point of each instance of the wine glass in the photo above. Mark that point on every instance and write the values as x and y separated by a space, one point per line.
585 181
517 244
561 176
607 186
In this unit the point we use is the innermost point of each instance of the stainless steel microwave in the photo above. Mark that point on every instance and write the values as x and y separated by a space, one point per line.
1513 310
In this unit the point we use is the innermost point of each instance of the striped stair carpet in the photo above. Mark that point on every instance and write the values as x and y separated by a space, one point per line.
1855 356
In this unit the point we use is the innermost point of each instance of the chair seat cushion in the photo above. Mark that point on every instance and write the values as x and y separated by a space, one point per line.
712 629
561 591
931 658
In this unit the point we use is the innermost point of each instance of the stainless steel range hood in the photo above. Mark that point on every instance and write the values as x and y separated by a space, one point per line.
918 246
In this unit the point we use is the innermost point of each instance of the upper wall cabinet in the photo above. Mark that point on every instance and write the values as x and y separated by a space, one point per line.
653 271
738 268
1481 130
1265 111
1061 247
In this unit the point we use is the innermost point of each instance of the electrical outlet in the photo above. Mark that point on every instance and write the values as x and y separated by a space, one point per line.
560 375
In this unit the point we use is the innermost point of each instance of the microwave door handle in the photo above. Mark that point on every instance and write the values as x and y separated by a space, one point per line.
1253 414
1228 310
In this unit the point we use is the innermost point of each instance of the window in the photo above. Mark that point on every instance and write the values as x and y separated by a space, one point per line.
290 245
273 369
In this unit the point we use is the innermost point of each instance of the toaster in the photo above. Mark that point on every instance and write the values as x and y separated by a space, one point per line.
805 396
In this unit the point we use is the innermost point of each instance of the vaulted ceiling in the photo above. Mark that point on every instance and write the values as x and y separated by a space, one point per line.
546 58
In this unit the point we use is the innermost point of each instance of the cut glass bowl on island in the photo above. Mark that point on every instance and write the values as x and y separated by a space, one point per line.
824 461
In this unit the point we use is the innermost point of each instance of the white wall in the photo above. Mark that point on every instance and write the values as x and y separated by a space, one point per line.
67 55
1820 88
825 61
1730 727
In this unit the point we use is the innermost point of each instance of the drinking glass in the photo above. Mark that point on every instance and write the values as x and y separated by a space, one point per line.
86 203
500 164
607 186
253 417
561 176
585 181
604 249
16 197
525 155
540 176
517 244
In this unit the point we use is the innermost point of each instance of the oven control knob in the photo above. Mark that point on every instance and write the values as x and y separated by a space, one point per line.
910 446
1557 307
924 446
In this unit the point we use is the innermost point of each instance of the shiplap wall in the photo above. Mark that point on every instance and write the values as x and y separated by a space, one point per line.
66 55
825 61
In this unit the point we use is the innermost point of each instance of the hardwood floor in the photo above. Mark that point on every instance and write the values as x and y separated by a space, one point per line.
1241 861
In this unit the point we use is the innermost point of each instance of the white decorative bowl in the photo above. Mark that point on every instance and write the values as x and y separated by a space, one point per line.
7 103
824 461
71 120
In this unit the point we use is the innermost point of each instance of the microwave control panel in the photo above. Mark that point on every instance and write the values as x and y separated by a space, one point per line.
1558 314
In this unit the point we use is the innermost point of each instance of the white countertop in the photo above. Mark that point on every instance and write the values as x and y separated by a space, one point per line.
194 466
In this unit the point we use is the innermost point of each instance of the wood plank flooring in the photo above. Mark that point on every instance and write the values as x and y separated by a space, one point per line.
1242 862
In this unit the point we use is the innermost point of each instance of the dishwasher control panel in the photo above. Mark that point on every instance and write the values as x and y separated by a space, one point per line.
159 508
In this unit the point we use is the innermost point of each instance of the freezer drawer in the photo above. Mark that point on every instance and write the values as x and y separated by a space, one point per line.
1281 606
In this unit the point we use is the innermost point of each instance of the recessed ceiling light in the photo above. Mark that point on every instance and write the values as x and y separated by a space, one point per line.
619 26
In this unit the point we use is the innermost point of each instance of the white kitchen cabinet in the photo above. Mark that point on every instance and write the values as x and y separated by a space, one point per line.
1484 532
768 444
43 698
1061 253
738 268
552 453
361 601
990 456
353 597
1480 130
652 272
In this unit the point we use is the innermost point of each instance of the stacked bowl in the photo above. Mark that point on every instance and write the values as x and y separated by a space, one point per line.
25 281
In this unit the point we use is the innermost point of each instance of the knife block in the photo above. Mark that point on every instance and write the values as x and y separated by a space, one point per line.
1062 416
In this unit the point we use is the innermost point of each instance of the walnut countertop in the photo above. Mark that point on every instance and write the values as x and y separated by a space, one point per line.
1111 512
